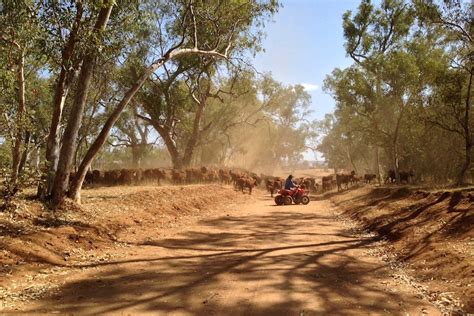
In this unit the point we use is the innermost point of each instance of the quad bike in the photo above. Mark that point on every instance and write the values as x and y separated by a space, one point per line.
287 197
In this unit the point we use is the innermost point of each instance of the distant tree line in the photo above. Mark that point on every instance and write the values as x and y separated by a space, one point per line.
406 101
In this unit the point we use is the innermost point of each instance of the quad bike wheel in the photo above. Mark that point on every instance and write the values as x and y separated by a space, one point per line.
297 200
279 200
305 199
288 200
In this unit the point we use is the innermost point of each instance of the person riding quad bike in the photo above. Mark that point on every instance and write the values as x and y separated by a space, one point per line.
289 184
291 193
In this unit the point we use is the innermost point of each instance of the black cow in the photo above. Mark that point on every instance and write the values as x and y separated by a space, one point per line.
368 177
405 176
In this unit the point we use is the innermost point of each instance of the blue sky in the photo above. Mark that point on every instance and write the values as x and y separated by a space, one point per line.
304 44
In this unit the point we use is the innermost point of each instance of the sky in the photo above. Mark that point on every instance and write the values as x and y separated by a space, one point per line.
304 43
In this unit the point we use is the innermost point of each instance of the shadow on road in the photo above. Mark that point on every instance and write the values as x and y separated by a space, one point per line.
256 265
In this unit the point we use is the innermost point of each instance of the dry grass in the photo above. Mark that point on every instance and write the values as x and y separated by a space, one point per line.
432 232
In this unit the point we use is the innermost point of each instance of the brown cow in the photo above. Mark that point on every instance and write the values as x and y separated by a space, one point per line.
246 182
257 178
178 176
154 175
112 177
211 176
273 185
327 183
191 175
307 184
235 175
88 177
160 174
224 176
148 175
126 176
97 177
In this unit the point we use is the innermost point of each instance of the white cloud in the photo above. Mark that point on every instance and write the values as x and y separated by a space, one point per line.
310 86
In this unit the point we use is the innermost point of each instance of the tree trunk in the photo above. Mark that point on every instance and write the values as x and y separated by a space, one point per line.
395 162
38 157
377 161
26 152
170 144
16 150
136 155
52 148
467 134
351 160
395 153
63 84
466 165
69 140
191 145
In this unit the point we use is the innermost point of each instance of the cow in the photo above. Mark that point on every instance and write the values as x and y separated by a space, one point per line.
327 183
246 182
353 178
236 175
112 177
88 177
191 175
211 176
273 185
343 179
178 176
224 176
97 176
257 178
148 175
126 176
308 184
356 179
368 177
152 175
405 176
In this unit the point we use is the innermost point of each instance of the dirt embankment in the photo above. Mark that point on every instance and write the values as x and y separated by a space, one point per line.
32 238
431 232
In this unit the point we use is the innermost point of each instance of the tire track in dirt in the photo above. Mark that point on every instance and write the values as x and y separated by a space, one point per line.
254 259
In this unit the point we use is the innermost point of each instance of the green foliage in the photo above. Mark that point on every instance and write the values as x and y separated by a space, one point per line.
404 94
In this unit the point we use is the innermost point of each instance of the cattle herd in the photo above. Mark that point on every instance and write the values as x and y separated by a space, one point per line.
241 179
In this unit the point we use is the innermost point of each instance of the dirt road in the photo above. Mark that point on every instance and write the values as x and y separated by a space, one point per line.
256 259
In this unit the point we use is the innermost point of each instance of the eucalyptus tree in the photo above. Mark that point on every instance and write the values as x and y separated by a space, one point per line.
66 25
216 29
374 40
20 56
69 138
451 100
174 105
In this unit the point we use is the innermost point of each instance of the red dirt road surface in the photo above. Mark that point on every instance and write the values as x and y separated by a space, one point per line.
252 258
